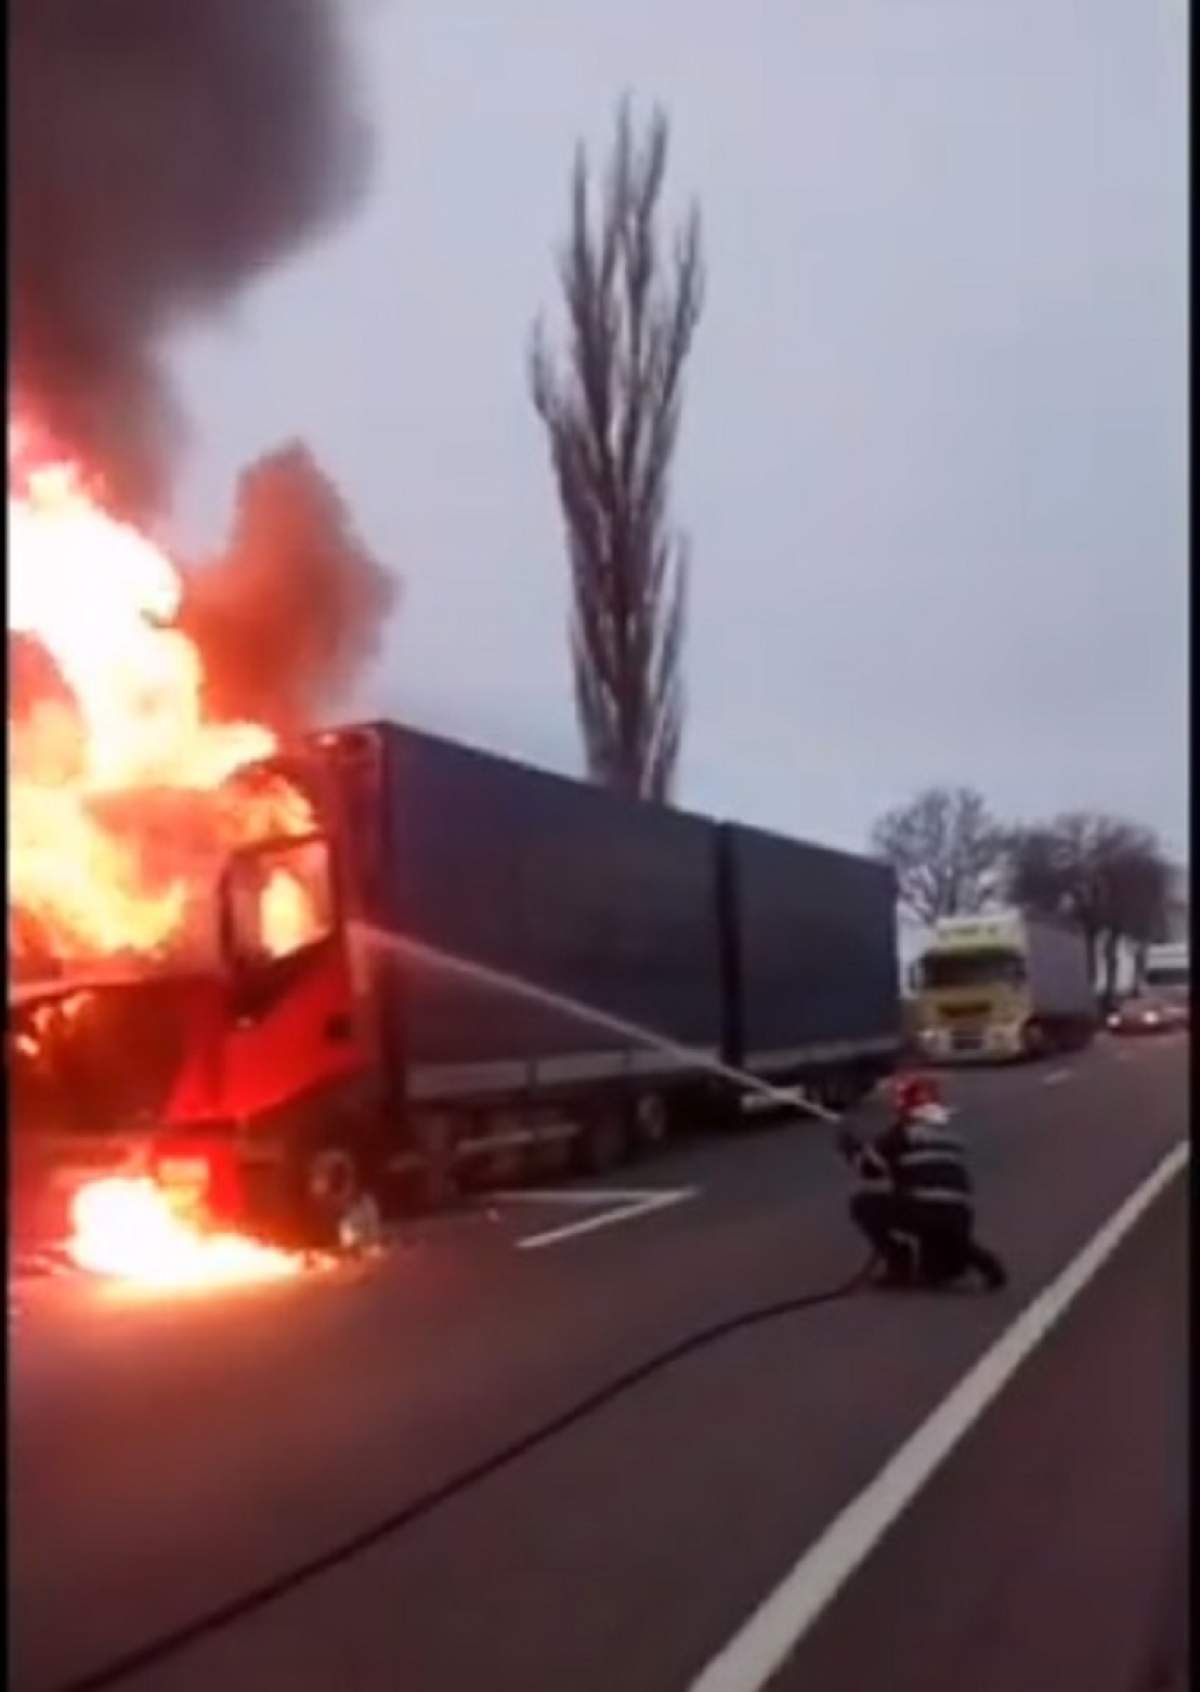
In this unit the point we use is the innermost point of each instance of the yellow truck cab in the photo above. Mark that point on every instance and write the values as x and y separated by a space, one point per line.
1003 985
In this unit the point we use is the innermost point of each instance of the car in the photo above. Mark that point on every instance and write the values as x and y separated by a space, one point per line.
1144 1014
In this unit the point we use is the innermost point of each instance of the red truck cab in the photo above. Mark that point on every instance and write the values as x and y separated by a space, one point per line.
234 1071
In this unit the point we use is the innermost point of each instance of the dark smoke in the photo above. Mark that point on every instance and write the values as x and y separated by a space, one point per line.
161 154
295 606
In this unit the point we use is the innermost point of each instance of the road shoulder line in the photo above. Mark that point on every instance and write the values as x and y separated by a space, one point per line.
764 1643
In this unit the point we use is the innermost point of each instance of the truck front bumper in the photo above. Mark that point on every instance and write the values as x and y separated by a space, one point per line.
991 1043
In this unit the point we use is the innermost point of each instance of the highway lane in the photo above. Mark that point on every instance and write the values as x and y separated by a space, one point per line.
1052 1549
163 1458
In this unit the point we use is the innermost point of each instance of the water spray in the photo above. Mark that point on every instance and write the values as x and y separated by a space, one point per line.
419 951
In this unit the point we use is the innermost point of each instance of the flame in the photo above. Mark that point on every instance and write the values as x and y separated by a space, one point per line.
126 1228
287 915
116 809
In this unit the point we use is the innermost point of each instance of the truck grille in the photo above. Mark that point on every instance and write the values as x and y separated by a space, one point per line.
977 1008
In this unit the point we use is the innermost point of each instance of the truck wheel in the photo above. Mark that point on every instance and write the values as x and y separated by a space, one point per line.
841 1091
341 1207
438 1184
1033 1041
651 1122
603 1142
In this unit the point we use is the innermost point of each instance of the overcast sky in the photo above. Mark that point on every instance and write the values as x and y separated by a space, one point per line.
933 463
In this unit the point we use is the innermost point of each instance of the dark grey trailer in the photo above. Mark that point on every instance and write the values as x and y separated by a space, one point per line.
810 958
520 902
508 919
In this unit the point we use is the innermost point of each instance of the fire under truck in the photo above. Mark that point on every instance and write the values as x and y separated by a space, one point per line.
479 941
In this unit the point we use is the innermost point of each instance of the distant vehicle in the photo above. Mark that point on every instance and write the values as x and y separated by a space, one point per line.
1162 1004
1004 985
1168 973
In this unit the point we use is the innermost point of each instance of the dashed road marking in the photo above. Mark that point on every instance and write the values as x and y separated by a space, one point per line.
761 1647
1057 1077
621 1205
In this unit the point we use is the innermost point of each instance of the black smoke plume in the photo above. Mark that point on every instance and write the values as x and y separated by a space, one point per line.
161 154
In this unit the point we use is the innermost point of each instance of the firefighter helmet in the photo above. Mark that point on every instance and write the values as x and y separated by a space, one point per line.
911 1093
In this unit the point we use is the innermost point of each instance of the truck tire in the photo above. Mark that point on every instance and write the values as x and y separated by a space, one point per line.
651 1122
339 1199
604 1140
1034 1043
840 1091
437 1185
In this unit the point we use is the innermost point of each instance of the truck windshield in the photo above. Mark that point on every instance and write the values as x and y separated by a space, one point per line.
972 969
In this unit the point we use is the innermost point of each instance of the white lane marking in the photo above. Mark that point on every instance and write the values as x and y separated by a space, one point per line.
641 1206
772 1633
1057 1077
575 1195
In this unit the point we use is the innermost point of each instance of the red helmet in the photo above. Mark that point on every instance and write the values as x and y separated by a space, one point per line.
910 1092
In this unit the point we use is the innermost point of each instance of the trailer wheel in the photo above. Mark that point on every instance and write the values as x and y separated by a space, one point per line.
604 1141
341 1206
438 1185
651 1121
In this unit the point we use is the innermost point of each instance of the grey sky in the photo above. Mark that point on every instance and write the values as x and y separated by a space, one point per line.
934 455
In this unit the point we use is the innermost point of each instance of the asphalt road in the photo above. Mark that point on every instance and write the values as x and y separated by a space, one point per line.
166 1458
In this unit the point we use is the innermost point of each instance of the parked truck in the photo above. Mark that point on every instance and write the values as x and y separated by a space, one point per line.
1003 985
493 971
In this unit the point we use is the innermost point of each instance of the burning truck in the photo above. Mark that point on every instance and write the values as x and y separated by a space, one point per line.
256 988
162 873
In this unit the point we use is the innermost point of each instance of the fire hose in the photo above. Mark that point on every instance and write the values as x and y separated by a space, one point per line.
407 1514
424 1504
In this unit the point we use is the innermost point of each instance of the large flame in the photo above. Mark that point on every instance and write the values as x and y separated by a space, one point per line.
115 801
127 1229
120 809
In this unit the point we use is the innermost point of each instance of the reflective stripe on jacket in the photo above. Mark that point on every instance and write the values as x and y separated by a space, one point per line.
918 1162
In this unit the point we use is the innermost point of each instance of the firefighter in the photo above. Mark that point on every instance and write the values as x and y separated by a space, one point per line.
914 1199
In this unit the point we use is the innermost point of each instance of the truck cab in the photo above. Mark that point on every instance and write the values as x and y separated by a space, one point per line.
221 1066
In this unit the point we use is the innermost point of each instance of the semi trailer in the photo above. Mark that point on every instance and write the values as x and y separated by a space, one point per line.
461 970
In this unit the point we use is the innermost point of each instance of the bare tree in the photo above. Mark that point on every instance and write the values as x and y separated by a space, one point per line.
946 850
611 408
1108 874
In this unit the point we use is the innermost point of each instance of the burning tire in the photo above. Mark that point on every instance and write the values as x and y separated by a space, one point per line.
340 1205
